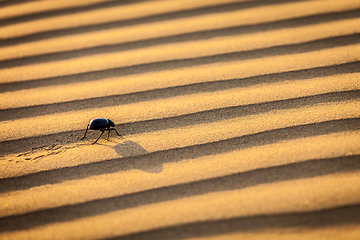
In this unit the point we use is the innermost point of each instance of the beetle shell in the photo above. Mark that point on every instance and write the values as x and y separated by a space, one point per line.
101 123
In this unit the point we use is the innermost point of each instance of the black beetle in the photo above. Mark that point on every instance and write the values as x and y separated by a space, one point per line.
101 124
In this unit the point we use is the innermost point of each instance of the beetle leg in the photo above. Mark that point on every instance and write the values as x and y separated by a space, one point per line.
107 138
102 131
115 131
87 127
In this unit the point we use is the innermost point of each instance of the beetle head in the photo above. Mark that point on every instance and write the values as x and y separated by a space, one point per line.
111 123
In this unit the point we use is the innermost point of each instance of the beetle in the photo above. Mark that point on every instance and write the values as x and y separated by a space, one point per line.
101 124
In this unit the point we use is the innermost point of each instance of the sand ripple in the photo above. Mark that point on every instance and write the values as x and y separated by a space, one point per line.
240 118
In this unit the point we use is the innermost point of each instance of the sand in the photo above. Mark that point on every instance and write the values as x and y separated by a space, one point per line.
239 119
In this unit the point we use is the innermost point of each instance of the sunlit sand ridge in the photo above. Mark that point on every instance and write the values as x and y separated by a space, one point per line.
239 119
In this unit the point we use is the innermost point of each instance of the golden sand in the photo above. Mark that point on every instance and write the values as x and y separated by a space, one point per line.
240 119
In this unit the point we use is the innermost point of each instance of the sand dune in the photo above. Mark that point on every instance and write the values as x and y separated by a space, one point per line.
240 119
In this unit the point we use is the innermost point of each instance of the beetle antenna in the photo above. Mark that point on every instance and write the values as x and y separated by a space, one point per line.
87 127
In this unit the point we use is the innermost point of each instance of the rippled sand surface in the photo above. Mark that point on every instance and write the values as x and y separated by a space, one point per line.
239 119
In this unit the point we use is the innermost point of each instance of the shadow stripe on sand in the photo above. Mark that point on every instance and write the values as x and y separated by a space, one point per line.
150 161
321 44
208 116
307 169
6 3
142 20
136 97
289 23
345 215
337 216
59 12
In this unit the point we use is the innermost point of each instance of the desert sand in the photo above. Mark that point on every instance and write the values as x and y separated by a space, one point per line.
240 119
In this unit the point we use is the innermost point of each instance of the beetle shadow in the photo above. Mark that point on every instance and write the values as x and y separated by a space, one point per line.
130 149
